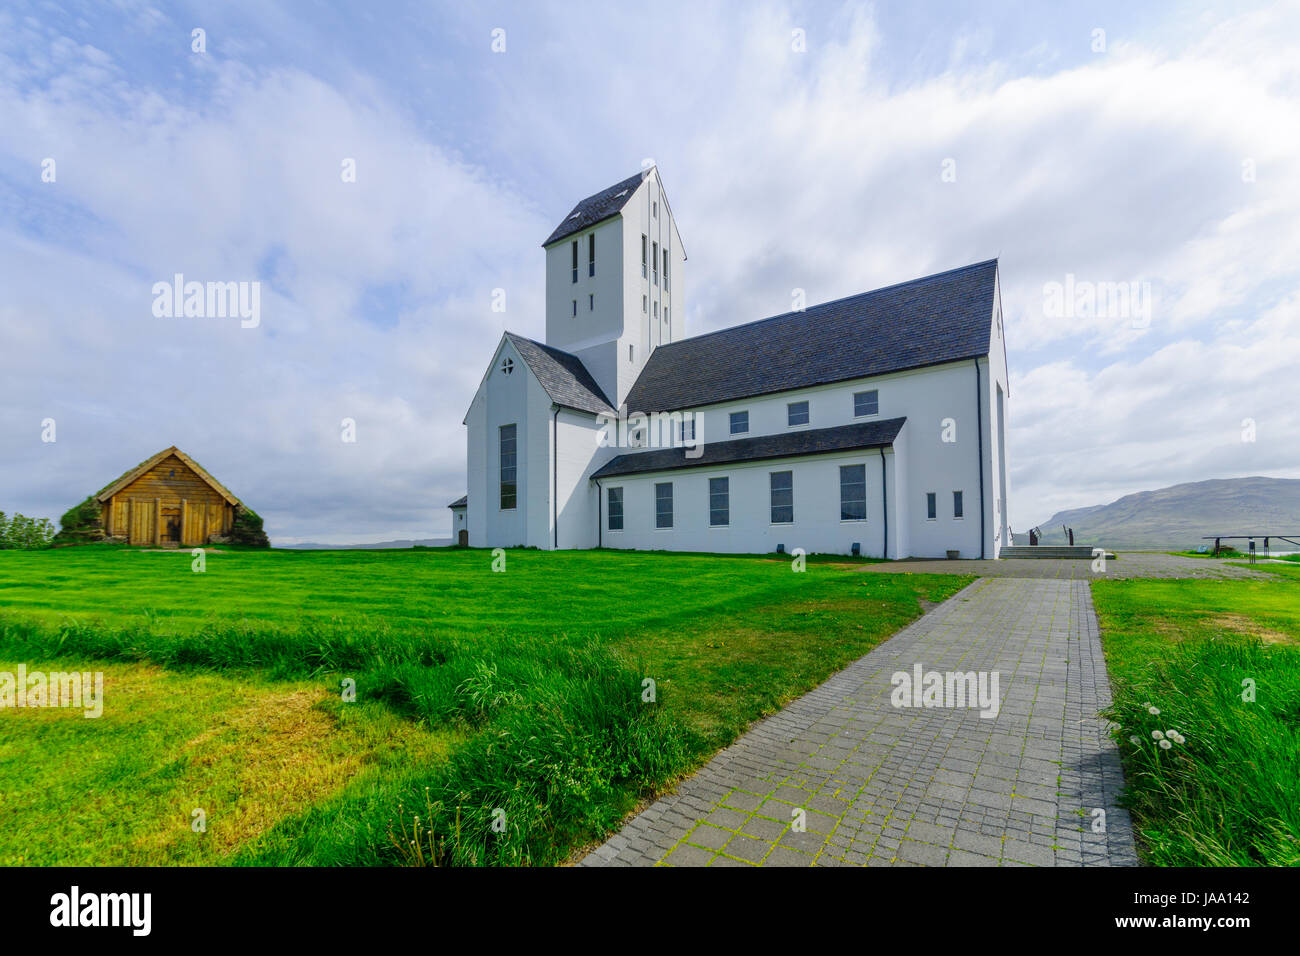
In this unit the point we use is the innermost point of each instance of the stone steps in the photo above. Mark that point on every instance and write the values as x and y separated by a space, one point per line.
1078 551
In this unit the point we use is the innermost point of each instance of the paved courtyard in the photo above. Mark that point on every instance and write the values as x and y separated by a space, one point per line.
843 777
1127 564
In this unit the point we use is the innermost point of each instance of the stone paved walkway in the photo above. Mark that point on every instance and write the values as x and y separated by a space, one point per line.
881 785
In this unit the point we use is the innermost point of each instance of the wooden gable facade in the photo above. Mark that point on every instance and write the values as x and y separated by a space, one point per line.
167 501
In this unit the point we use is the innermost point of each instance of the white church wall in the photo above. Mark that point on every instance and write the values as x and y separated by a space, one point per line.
535 473
599 298
476 470
649 215
579 455
505 399
927 398
942 441
816 528
998 388
904 505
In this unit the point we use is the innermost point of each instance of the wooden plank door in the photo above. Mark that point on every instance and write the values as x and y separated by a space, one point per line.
141 522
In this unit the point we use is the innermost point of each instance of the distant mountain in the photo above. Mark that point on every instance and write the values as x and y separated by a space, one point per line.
1178 517
404 543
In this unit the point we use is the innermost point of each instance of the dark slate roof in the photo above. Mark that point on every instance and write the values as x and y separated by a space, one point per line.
460 502
563 376
600 206
940 318
815 441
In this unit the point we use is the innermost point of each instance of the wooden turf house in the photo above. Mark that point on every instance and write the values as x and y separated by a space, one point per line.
167 501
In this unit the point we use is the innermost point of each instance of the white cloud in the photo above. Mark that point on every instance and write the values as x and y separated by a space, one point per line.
818 170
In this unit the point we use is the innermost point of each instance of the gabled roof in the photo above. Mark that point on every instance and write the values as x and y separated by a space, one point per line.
597 207
562 375
939 318
460 502
815 441
144 466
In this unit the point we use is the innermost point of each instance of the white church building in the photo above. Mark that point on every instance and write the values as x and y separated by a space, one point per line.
873 424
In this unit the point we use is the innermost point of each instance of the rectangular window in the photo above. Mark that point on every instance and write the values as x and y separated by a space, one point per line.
509 489
575 308
644 303
654 209
654 260
644 245
591 254
739 423
656 310
575 260
866 403
796 413
782 485
719 502
853 492
686 430
931 509
591 302
665 313
665 268
958 508
664 504
616 509
629 354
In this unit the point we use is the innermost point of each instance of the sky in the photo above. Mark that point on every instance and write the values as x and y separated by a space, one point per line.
381 169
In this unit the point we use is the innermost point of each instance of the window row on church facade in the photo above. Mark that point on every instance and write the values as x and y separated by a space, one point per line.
780 507
866 404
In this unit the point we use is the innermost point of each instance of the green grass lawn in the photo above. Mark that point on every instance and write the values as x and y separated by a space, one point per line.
1220 662
510 712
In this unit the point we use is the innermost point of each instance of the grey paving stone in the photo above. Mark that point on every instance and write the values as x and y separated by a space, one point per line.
686 855
882 785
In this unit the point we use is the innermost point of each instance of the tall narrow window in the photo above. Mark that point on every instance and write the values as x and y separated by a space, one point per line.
509 489
644 301
591 302
629 354
719 502
575 260
958 508
931 508
665 268
644 244
796 413
866 403
782 487
656 310
664 504
654 210
853 492
591 254
616 509
654 260
575 308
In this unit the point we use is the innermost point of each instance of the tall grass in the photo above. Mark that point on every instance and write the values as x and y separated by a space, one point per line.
561 742
1206 676
1229 795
